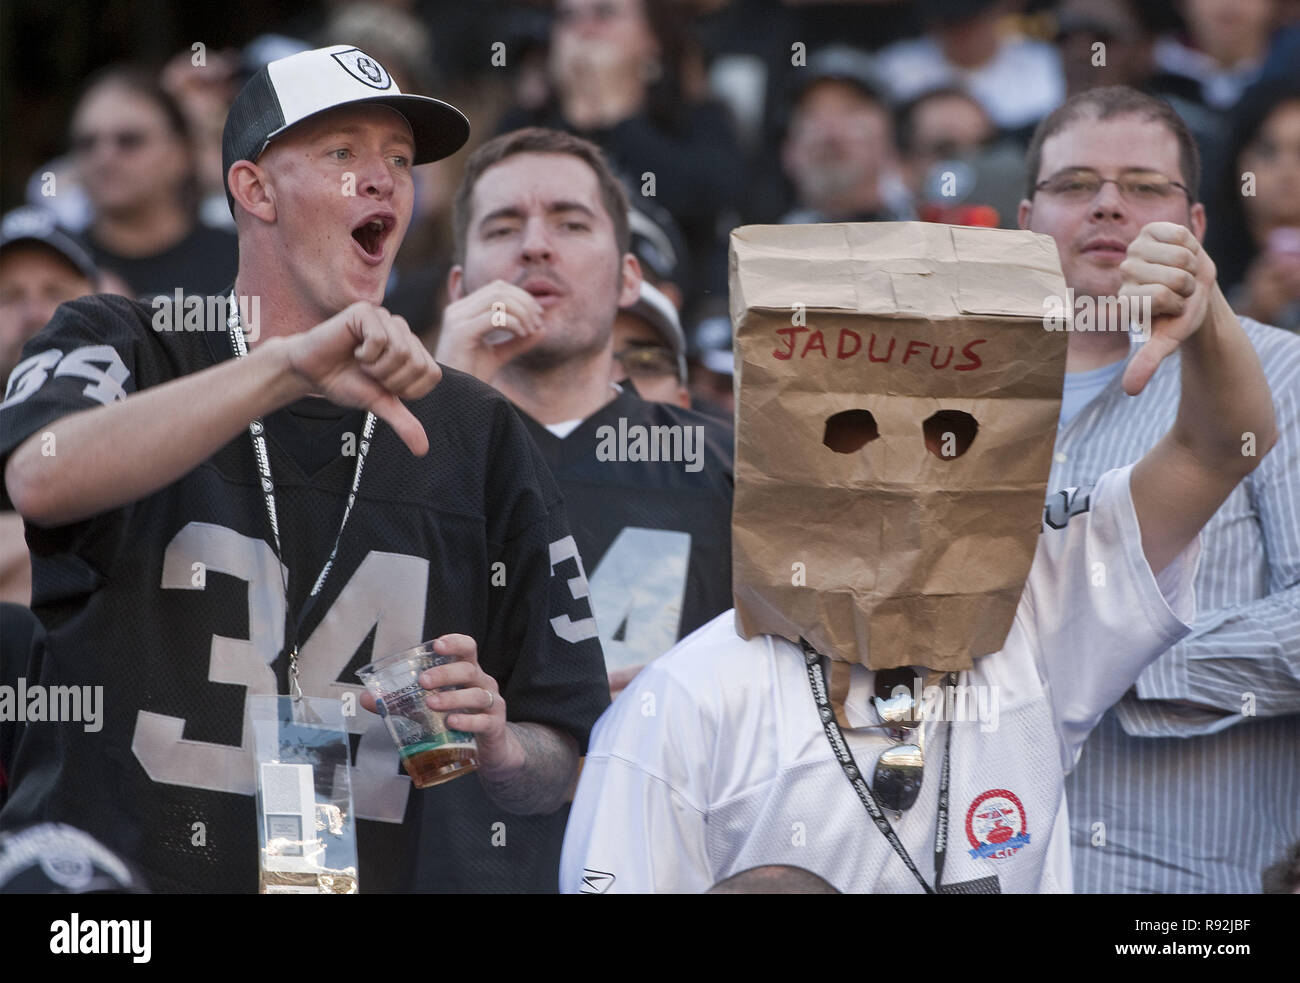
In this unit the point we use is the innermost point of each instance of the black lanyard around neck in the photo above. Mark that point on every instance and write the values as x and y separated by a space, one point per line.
817 682
256 430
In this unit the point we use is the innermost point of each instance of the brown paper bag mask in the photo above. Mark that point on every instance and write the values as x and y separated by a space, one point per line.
919 353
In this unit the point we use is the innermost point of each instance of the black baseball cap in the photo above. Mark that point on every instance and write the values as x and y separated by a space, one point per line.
28 224
297 87
712 345
656 240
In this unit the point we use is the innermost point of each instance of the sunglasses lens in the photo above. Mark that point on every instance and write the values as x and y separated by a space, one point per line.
899 772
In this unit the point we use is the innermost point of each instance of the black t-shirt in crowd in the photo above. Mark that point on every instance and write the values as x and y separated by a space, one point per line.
204 262
471 538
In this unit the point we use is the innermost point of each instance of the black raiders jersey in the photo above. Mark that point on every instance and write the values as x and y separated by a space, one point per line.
647 487
176 607
650 510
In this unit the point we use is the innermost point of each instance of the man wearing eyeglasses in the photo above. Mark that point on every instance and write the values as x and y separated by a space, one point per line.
717 759
1212 728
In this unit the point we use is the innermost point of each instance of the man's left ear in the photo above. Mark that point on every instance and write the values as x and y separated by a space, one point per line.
1197 217
631 281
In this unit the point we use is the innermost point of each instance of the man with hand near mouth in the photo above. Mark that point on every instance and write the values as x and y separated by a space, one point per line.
650 349
202 531
542 268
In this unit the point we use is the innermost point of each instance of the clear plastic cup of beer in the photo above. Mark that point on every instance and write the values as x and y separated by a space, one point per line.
430 752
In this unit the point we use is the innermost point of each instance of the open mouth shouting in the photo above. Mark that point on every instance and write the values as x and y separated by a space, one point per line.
371 235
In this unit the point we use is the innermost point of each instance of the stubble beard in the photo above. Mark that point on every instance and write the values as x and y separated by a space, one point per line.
553 354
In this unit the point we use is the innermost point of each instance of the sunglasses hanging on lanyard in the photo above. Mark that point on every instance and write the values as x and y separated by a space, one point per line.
897 778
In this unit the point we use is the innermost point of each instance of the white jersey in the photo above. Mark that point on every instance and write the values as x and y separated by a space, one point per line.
715 761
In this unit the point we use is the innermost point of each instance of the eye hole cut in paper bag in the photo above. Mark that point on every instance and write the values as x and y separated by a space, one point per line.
910 544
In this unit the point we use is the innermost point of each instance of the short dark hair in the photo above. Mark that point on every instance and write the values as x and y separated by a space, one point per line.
1108 102
538 140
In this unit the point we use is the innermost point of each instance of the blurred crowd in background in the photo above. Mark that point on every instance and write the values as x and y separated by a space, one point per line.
716 113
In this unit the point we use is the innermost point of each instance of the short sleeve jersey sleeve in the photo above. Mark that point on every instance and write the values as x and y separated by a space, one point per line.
87 356
639 822
1099 615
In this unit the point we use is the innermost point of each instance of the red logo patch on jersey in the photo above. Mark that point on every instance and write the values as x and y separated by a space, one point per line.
996 824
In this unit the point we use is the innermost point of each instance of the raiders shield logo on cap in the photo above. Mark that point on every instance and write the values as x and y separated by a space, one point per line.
363 68
289 90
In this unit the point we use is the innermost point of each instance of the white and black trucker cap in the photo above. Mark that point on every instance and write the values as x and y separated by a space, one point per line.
658 311
294 88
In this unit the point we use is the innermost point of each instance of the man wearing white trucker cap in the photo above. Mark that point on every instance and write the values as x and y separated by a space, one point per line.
191 482
650 348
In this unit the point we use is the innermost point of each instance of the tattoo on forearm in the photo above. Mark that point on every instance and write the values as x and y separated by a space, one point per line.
550 766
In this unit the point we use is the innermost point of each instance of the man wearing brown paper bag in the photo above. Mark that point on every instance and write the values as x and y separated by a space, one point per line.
825 739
